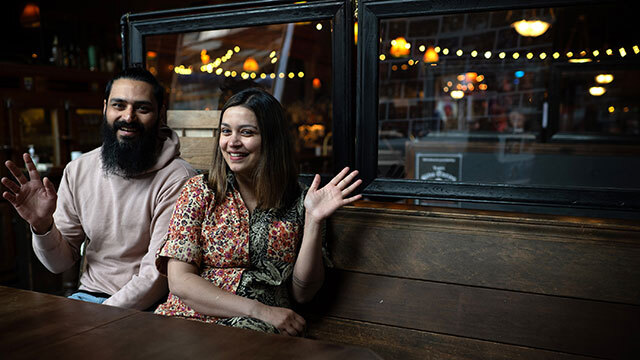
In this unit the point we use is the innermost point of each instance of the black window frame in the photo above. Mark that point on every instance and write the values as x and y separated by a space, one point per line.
134 27
552 199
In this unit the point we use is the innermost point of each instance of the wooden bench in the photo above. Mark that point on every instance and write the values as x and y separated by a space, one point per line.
422 283
436 283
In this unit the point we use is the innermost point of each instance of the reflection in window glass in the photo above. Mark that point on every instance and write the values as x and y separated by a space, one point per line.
203 69
496 97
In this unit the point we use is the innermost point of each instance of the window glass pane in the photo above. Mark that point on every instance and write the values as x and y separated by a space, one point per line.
201 70
476 98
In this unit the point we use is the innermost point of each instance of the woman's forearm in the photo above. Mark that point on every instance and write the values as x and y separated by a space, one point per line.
204 297
308 271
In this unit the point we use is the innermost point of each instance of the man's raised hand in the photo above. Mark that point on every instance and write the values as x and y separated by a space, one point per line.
33 199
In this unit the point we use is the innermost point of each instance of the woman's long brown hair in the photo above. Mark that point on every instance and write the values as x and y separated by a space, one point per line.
276 176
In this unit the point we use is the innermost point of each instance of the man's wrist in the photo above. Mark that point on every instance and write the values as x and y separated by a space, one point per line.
43 227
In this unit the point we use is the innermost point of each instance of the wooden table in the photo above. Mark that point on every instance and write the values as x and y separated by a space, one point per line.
41 326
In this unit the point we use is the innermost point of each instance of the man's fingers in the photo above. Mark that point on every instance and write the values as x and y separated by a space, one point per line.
48 187
10 197
16 172
351 199
33 172
11 185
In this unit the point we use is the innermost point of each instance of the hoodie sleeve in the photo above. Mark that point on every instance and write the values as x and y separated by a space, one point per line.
56 251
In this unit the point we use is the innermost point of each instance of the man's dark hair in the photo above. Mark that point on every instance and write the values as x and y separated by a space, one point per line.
139 74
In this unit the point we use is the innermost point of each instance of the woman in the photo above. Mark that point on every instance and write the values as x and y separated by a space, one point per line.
241 244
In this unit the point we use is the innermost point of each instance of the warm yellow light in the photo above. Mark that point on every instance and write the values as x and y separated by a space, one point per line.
182 70
470 87
437 49
318 26
300 74
316 83
531 28
219 71
227 73
530 56
244 75
30 17
394 67
445 89
281 75
234 73
474 53
355 33
430 56
470 76
253 75
479 78
596 53
556 55
404 67
204 57
569 54
399 47
272 54
272 76
291 75
636 49
543 56
263 76
457 94
482 87
611 109
502 55
609 52
250 64
460 77
579 61
382 57
445 51
236 49
422 48
604 78
449 83
459 52
516 55
623 52
487 54
410 62
274 60
597 90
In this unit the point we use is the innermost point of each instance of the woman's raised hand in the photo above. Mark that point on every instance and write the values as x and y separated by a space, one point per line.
33 199
321 203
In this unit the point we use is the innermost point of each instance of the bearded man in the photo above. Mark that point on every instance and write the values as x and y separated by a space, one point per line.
118 198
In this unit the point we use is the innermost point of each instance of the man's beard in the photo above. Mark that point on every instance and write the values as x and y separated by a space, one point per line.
132 155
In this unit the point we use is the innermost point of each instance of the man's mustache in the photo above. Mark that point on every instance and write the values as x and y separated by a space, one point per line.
137 126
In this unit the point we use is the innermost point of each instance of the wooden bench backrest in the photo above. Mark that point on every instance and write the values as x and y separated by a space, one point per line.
463 284
197 130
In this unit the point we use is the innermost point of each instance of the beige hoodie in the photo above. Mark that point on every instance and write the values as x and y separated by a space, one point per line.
125 221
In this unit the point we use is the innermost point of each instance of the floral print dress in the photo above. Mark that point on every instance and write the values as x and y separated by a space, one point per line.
248 255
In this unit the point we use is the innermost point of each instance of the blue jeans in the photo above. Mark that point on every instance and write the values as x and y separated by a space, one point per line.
87 297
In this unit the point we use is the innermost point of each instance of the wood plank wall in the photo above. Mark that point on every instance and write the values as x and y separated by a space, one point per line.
450 284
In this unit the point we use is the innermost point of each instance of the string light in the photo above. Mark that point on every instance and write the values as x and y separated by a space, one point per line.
445 51
530 56
569 54
487 54
474 53
516 55
502 55
609 52
422 48
382 57
459 52
623 52
556 55
543 56
596 53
